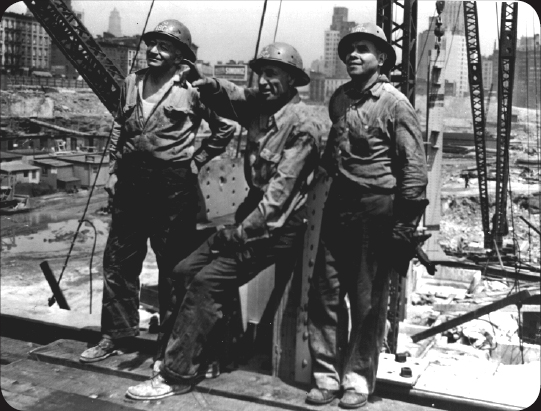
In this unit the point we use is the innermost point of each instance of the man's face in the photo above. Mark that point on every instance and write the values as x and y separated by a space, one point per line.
363 59
162 53
274 82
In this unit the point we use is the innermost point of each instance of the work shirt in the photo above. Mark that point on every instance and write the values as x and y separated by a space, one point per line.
281 154
168 132
376 140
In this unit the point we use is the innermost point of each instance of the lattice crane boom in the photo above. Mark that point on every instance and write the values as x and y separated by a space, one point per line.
478 110
506 74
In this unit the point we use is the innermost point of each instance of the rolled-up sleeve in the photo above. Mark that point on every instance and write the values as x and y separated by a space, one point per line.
283 192
411 169
222 131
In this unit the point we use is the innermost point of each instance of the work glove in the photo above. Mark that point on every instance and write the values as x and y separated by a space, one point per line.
198 80
229 240
406 241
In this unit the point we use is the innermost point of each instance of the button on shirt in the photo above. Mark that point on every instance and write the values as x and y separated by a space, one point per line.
168 131
376 140
281 153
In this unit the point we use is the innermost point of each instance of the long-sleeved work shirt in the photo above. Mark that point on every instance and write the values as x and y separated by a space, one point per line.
281 154
376 140
168 130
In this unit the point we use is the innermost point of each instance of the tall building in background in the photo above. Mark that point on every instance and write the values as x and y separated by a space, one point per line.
340 26
114 23
453 43
453 17
527 84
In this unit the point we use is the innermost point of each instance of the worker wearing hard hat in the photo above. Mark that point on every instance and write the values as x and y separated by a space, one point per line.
280 160
152 180
376 157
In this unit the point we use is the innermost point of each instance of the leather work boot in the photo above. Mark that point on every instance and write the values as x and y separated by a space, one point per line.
213 370
320 396
105 348
351 400
157 388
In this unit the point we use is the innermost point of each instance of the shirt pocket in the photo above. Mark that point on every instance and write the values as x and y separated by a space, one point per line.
266 166
178 114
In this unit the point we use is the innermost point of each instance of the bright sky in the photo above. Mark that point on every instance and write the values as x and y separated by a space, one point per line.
226 30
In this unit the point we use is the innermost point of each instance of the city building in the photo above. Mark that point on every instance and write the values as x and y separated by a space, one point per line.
452 17
317 86
114 23
453 45
527 84
24 43
333 66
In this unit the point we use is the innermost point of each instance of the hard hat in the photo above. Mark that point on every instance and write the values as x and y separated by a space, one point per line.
368 31
174 30
287 57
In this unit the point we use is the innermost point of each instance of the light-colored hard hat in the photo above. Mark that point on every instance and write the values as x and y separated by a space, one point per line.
287 57
372 32
176 31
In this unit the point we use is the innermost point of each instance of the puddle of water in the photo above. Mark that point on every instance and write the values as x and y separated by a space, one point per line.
43 232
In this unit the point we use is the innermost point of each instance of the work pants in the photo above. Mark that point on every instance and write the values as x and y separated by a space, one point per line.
209 281
153 200
352 260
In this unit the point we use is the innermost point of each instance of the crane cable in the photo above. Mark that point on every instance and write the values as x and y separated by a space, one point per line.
277 20
52 299
251 71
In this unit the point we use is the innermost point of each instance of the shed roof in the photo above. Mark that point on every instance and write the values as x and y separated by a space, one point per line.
16 166
52 162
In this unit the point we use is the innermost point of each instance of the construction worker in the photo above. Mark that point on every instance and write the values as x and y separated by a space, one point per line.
153 180
376 157
280 159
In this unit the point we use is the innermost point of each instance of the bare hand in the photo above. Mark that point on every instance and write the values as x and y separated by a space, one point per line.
199 80
110 184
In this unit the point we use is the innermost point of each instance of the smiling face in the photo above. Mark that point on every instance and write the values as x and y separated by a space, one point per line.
163 54
274 82
363 60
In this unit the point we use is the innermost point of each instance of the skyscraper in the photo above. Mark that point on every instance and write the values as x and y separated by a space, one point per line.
114 23
453 17
340 26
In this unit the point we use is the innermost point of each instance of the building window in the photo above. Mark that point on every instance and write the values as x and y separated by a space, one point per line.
44 172
34 174
25 173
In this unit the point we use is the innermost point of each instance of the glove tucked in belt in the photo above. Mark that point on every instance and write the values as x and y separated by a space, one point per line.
405 240
228 240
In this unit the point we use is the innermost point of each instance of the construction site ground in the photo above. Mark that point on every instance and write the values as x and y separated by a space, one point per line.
465 370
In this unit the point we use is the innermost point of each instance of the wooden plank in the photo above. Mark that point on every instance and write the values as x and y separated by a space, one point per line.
470 307
512 299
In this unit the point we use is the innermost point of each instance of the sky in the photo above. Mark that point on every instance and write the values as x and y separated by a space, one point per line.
226 30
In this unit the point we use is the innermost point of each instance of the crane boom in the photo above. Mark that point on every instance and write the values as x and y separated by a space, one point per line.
506 74
80 48
478 110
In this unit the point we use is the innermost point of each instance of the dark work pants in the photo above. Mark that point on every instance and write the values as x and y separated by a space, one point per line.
209 281
352 260
153 200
